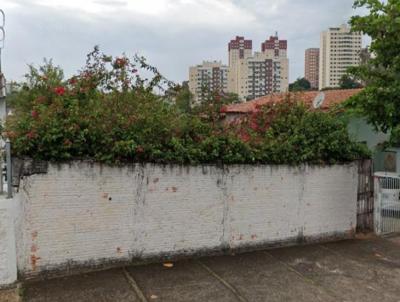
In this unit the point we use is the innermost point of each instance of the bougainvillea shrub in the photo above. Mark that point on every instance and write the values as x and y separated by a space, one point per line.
108 113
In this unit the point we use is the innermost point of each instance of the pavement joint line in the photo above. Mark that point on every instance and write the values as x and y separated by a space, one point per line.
332 251
336 253
344 255
223 281
132 282
305 278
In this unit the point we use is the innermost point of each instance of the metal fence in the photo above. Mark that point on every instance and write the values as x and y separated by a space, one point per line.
387 203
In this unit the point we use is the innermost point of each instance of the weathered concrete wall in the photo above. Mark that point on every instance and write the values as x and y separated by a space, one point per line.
8 264
83 214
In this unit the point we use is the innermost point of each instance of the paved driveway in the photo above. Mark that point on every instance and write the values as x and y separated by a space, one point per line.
355 270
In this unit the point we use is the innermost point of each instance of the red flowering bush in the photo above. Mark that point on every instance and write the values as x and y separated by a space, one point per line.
59 90
109 113
289 132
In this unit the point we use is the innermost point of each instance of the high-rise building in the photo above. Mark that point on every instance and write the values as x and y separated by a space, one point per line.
239 50
274 48
264 76
311 67
255 75
339 49
249 75
207 78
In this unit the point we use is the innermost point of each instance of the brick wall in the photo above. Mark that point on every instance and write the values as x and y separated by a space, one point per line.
83 215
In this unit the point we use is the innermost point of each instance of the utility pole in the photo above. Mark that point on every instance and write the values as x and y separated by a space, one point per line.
2 38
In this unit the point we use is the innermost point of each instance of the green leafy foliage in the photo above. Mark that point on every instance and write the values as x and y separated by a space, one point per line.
301 84
108 113
379 102
290 133
348 82
181 96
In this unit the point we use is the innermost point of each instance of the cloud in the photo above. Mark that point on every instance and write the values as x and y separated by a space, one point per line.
173 34
173 12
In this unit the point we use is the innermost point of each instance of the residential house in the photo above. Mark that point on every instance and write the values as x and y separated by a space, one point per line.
359 129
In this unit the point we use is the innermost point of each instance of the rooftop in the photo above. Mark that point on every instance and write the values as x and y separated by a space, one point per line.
331 97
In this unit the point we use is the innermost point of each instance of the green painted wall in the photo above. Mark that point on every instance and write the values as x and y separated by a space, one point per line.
361 131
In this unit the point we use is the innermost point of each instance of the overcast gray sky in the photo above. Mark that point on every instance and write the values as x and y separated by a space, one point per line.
172 34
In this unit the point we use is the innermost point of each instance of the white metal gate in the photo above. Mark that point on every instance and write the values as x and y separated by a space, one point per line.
387 203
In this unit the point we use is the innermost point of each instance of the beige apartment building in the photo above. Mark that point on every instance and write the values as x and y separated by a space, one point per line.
249 75
339 49
252 75
311 67
239 50
210 76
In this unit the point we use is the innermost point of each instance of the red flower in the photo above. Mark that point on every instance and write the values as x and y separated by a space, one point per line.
34 114
254 125
67 142
87 75
244 136
59 90
120 62
31 134
40 100
139 149
73 81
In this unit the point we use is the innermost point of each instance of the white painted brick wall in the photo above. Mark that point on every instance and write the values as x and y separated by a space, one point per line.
329 201
82 212
265 205
8 264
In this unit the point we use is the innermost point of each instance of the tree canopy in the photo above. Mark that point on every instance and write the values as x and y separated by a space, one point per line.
301 84
348 82
379 102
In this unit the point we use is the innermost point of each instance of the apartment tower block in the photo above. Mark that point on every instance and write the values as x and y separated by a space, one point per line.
207 78
311 67
252 75
249 75
340 49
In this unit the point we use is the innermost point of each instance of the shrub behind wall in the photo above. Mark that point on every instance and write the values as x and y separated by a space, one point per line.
109 113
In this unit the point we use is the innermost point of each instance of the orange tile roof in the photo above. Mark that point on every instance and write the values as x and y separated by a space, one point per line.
332 97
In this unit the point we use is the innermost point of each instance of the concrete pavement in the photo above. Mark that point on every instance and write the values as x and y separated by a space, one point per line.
354 270
9 295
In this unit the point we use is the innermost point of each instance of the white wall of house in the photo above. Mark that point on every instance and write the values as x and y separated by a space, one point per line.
84 214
